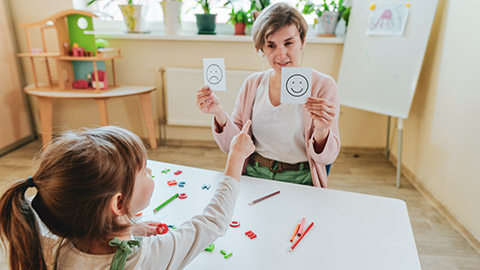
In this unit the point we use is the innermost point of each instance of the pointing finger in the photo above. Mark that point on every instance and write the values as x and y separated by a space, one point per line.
246 126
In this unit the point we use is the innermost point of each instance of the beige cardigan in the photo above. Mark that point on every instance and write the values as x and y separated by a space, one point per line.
323 86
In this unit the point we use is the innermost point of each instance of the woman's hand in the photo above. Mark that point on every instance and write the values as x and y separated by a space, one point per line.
208 102
322 111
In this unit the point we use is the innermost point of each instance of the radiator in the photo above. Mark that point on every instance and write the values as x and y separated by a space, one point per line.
180 90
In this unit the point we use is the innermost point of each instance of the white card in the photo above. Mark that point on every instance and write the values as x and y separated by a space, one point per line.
296 85
214 74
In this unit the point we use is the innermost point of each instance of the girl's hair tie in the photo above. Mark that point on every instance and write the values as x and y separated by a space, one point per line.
30 182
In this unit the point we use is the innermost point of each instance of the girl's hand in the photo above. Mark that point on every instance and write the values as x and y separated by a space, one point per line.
240 148
147 228
208 102
322 112
242 144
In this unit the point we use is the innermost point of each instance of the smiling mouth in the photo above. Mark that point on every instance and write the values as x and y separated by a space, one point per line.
283 64
291 88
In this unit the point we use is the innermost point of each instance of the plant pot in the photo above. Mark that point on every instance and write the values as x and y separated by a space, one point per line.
132 15
206 23
327 23
171 16
240 28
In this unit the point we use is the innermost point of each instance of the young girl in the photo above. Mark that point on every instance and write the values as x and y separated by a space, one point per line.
294 142
89 183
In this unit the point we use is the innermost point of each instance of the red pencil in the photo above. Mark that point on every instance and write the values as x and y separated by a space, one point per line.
300 229
298 240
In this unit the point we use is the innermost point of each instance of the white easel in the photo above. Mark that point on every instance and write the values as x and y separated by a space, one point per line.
400 141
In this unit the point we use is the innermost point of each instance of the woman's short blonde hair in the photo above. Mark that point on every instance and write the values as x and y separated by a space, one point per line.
275 17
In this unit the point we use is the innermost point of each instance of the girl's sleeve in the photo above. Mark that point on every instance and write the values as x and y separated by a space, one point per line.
329 91
179 247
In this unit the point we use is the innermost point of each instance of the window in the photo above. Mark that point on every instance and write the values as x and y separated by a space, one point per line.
108 9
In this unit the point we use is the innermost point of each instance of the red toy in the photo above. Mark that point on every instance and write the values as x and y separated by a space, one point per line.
251 234
162 228
102 80
80 84
78 52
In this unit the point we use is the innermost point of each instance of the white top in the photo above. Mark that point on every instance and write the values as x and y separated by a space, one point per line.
278 131
175 249
112 92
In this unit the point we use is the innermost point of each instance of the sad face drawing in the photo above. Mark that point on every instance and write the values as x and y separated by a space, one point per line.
297 85
214 74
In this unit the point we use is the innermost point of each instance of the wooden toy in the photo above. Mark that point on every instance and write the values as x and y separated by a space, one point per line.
72 28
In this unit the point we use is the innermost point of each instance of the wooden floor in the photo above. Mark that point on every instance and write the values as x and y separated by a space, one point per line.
439 245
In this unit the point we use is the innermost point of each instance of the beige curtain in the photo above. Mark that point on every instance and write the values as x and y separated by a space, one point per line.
14 118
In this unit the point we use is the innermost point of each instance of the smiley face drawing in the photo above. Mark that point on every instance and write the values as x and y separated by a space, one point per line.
214 74
297 85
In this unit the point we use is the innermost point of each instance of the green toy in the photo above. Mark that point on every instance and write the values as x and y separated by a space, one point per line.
101 43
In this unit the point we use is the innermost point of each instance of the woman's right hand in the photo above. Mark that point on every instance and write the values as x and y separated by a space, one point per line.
208 102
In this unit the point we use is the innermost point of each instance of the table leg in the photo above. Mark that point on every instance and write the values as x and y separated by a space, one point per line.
102 110
45 111
147 109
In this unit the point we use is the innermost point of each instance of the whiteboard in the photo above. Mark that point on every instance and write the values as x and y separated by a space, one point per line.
380 73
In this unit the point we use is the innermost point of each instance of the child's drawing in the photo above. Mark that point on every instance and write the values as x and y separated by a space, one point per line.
389 20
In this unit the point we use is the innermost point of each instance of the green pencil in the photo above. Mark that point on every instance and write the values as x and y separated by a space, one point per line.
165 203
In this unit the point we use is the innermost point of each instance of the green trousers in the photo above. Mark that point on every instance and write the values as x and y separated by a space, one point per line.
302 176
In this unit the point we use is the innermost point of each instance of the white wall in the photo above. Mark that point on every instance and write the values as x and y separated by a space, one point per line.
441 143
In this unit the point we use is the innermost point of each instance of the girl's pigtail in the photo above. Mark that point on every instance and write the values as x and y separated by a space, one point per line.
19 229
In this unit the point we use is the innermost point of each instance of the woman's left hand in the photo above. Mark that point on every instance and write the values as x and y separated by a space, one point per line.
322 112
147 228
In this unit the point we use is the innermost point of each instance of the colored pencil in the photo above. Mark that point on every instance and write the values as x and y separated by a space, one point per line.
298 240
300 230
294 233
263 198
165 203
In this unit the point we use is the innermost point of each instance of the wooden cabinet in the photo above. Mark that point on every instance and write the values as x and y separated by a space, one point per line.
15 127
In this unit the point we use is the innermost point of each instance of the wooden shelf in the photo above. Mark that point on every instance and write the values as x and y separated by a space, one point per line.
87 58
51 54
102 55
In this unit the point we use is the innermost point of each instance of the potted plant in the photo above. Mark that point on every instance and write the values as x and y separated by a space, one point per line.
171 16
132 15
206 21
257 6
328 15
240 19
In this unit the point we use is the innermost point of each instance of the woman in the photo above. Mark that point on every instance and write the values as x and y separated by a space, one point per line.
294 142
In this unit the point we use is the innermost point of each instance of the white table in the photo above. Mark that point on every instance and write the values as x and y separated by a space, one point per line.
351 231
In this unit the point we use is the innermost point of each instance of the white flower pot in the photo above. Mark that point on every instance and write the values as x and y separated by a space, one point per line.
327 23
132 15
171 16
